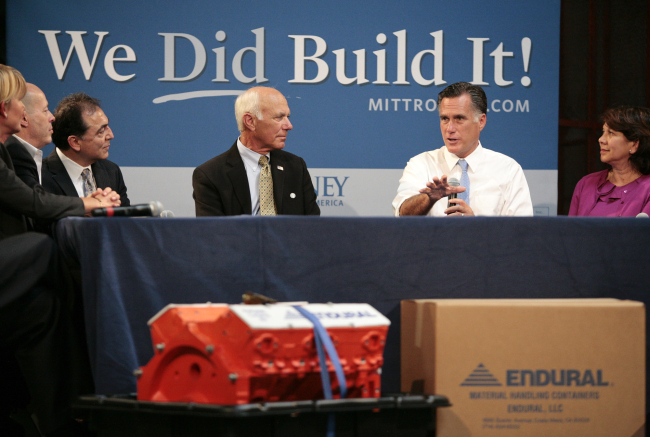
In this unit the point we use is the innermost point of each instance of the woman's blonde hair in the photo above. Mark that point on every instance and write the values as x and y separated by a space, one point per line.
12 84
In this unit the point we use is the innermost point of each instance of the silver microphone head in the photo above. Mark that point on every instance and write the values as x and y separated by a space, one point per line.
642 215
453 182
167 214
156 208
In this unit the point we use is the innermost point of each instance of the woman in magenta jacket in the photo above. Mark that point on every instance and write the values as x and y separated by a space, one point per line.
622 190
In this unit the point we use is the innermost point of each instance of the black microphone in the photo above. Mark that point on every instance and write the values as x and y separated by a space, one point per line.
151 209
453 182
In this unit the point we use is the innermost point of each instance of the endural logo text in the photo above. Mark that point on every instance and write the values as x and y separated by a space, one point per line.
559 377
482 377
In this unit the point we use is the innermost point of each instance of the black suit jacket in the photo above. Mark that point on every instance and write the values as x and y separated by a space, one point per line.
221 185
24 164
17 200
107 174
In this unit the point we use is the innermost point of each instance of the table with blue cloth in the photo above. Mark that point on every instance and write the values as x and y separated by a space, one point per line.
133 267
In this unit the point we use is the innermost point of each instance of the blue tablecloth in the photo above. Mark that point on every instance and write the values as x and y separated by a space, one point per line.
134 267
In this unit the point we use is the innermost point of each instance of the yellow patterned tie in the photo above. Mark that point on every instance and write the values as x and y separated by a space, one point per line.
267 204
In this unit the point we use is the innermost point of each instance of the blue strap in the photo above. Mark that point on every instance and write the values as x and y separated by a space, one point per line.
324 374
321 337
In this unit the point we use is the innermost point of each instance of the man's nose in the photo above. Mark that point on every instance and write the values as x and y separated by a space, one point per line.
288 125
109 133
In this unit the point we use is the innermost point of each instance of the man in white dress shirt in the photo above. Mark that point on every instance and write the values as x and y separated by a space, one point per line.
35 133
79 163
491 184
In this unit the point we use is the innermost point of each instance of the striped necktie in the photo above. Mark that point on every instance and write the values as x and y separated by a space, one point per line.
88 182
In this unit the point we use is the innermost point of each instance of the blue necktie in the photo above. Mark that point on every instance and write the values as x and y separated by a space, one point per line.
464 181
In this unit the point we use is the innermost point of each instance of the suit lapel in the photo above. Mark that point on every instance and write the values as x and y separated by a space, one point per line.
60 175
239 180
278 179
101 176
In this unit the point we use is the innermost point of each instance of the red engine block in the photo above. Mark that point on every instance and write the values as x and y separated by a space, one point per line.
209 354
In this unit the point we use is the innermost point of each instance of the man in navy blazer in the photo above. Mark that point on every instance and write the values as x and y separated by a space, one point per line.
229 184
82 138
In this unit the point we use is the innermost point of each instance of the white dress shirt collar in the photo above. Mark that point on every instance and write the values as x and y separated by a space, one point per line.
473 159
251 159
253 168
74 171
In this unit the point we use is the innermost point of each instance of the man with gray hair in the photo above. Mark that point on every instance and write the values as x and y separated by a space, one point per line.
256 177
489 183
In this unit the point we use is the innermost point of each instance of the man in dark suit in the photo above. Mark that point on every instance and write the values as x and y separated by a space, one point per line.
17 200
35 133
37 333
256 176
82 137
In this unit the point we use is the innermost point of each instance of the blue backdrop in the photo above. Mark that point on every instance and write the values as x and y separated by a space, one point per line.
336 125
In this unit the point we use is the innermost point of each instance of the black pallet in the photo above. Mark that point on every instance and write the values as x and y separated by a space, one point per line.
398 416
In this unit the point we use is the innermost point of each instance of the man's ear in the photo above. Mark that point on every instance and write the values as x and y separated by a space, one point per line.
73 141
481 121
249 121
23 121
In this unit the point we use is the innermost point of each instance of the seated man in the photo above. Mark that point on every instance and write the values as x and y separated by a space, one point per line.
490 183
36 328
256 176
78 164
35 133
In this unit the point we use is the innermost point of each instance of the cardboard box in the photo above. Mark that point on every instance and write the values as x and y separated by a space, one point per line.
528 367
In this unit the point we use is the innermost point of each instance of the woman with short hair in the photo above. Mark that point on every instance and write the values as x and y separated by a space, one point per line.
623 189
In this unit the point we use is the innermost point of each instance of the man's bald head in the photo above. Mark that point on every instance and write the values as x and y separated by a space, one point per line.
36 125
31 96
